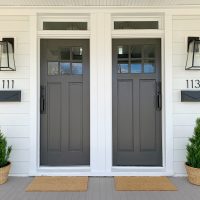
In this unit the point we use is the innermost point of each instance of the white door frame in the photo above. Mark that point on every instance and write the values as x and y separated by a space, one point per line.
101 101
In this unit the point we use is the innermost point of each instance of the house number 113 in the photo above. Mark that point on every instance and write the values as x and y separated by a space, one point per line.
193 83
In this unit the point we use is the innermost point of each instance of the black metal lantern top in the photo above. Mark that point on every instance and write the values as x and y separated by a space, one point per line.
7 61
193 55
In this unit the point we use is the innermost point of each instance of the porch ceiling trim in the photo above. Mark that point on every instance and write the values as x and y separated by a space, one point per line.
99 3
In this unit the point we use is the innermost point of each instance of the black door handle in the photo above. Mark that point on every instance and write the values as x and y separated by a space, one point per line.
159 96
43 99
159 102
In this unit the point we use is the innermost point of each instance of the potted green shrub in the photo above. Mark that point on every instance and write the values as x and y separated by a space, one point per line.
5 165
193 156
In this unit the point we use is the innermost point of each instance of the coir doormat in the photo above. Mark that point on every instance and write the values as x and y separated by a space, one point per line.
144 183
58 184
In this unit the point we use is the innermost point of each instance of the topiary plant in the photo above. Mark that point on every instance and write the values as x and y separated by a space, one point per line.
5 151
193 148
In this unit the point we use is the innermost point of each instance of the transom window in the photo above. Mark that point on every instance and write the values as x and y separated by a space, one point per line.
136 25
65 61
136 59
65 26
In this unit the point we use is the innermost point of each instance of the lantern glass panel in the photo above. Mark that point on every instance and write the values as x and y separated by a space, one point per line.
3 55
196 62
193 56
7 62
11 56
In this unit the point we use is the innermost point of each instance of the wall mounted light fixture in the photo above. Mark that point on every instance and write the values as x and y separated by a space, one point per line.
193 54
7 61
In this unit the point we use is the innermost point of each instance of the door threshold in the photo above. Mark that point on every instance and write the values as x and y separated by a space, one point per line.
137 168
140 171
65 168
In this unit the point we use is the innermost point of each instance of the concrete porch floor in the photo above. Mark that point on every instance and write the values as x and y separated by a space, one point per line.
100 188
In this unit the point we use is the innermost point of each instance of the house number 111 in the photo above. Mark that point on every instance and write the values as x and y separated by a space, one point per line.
193 83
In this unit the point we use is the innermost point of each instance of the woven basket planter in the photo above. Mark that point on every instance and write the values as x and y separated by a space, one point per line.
193 175
4 171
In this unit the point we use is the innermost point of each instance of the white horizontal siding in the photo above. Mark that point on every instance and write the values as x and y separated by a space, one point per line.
20 155
19 168
22 48
22 60
10 107
179 168
19 143
16 26
186 24
16 131
176 95
179 73
15 116
184 119
21 73
21 36
186 108
180 155
14 119
184 114
179 60
180 143
183 131
14 18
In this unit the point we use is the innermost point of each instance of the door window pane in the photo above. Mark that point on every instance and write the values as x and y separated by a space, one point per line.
149 66
53 54
122 67
136 51
53 68
122 51
77 53
65 54
149 51
136 67
65 68
77 68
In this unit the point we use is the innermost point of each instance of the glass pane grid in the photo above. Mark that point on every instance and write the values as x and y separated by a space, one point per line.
137 59
69 62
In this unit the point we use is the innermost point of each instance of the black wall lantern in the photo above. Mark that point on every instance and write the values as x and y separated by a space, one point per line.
193 54
7 61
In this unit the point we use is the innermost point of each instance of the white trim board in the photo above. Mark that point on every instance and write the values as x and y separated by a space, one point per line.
100 36
27 11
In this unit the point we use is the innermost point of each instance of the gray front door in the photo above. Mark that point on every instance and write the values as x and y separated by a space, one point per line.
137 137
64 106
